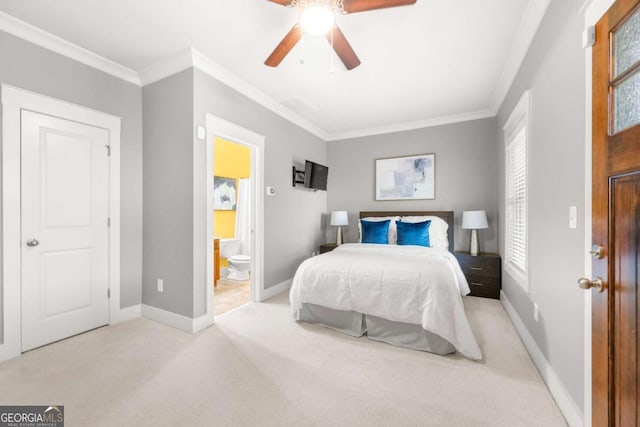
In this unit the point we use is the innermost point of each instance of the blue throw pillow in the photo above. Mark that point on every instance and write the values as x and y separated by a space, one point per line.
413 233
375 231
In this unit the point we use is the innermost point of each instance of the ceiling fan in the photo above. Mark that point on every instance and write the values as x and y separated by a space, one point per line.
317 17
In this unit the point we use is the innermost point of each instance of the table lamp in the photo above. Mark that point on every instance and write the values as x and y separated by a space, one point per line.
339 218
474 221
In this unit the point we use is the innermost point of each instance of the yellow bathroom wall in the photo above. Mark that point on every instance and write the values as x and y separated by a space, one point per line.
230 160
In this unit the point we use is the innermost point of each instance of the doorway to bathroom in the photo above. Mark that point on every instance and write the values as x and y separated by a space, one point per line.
235 216
231 224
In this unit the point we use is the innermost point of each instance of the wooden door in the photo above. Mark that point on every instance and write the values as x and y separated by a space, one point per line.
616 215
65 247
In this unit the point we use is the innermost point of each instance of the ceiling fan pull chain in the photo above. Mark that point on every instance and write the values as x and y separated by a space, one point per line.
299 4
302 47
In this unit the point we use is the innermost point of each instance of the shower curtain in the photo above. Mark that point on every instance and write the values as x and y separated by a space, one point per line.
243 216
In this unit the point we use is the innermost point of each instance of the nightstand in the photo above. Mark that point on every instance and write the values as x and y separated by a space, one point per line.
328 247
483 272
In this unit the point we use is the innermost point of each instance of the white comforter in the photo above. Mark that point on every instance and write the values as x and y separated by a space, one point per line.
410 284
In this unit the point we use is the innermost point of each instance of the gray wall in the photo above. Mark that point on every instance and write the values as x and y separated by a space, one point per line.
30 67
554 71
466 171
293 217
173 107
168 193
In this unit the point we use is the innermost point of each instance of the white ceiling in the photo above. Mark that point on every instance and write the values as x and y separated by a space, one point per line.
434 62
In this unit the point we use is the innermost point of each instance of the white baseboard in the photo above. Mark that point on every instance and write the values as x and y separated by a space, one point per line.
201 323
127 313
178 321
565 402
9 350
275 290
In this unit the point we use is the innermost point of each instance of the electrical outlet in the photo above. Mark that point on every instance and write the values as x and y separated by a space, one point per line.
536 311
160 285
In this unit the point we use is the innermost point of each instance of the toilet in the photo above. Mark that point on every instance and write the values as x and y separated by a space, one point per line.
239 264
239 267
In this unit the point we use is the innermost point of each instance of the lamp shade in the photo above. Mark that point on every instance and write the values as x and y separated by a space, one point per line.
339 218
474 220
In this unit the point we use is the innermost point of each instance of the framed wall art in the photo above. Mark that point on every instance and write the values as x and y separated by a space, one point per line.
406 178
224 193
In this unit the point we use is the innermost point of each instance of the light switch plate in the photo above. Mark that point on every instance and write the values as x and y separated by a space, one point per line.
202 133
589 37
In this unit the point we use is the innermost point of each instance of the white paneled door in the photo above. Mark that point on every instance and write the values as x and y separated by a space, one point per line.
65 235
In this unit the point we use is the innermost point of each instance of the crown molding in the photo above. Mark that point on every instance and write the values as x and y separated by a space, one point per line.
527 29
193 58
167 67
179 62
215 70
531 20
418 124
39 37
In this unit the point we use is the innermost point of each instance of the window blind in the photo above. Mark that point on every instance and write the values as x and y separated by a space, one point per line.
516 203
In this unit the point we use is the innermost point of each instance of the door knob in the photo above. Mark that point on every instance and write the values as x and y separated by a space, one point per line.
33 242
597 283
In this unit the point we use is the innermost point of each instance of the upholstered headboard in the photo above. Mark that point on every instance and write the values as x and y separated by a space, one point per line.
445 215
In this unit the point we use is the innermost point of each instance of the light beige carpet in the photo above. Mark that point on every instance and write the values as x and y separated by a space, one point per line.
257 367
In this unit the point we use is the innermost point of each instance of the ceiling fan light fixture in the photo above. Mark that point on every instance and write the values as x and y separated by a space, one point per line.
318 17
317 20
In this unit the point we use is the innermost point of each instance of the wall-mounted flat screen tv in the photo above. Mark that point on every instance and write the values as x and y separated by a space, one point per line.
315 175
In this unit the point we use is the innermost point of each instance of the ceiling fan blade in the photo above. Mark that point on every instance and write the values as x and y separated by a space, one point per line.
285 46
282 2
352 6
343 49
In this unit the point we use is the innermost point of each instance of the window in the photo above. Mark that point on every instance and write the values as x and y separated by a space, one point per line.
516 133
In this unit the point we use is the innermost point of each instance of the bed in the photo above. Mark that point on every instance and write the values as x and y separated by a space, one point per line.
405 295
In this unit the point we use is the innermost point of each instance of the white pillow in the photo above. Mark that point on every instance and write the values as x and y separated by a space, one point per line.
438 237
393 232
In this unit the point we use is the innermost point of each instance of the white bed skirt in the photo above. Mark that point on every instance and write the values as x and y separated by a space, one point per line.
378 329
